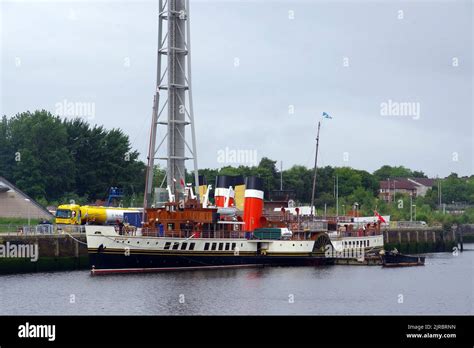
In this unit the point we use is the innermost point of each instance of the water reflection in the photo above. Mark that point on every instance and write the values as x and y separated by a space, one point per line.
444 286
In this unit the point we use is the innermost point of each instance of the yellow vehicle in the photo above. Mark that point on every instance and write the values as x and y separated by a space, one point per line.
74 214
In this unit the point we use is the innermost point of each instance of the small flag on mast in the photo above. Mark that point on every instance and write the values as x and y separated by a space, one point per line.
381 219
326 115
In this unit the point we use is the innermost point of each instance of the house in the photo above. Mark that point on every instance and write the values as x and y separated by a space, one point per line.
409 186
14 203
423 185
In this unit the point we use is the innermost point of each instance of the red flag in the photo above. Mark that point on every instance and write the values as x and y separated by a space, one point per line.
182 182
381 219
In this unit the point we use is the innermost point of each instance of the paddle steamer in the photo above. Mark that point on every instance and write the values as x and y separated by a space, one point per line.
188 236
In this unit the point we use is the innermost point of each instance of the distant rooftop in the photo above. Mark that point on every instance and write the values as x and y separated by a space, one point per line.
4 187
425 181
407 183
400 184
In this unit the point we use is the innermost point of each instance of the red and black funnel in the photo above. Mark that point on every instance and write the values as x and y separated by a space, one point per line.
253 207
223 183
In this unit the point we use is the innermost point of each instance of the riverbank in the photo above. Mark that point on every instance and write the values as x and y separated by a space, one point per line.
56 252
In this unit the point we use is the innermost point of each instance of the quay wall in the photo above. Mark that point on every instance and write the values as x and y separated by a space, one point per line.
421 240
468 233
56 252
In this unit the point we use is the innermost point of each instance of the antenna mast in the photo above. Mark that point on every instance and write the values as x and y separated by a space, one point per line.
315 170
173 103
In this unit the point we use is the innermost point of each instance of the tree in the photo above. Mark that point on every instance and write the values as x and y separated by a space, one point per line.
267 171
44 167
299 179
392 172
419 174
7 155
51 159
349 180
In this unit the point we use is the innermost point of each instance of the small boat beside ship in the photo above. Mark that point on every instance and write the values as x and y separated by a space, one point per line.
395 259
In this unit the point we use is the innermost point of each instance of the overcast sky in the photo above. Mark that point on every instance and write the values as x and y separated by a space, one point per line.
346 58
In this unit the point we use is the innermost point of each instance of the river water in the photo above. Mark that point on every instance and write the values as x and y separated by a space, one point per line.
445 285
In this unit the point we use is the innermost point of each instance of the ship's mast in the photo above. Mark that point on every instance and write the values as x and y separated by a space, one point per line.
173 104
315 170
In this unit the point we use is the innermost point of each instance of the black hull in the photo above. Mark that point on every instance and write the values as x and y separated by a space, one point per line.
398 260
119 263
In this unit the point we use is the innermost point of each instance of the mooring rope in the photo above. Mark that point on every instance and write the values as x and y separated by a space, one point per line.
77 240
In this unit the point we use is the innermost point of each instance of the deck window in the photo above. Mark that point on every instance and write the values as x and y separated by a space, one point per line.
175 246
167 245
233 246
206 246
191 246
184 246
214 246
227 246
221 246
368 243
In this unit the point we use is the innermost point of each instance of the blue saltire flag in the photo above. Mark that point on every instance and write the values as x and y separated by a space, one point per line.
325 115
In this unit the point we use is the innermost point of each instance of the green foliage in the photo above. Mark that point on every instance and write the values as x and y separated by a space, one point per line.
386 172
12 224
55 160
455 189
299 179
18 221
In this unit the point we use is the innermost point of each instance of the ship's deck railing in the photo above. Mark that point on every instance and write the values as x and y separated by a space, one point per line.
193 234
368 233
204 234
